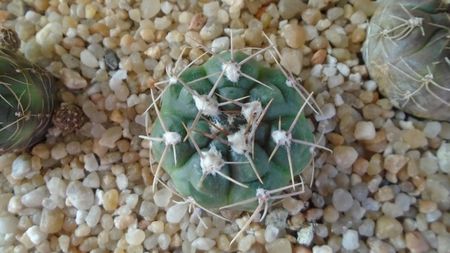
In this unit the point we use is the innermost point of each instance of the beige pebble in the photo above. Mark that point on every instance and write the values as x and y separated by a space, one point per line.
110 200
388 227
416 243
394 163
294 35
345 156
279 245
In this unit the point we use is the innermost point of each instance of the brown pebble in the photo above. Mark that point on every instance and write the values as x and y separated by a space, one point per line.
394 163
427 206
360 166
197 22
319 57
335 139
415 138
416 243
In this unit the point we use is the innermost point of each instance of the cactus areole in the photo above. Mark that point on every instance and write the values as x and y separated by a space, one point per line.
407 52
230 128
26 97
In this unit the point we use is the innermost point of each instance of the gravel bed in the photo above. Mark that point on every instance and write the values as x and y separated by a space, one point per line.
384 188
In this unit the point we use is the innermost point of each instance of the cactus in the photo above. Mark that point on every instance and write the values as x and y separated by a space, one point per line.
407 53
231 133
26 97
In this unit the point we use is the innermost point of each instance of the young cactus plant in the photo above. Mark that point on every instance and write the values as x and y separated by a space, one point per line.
407 53
26 97
231 133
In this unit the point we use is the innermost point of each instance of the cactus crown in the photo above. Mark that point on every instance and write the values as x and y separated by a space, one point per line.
230 130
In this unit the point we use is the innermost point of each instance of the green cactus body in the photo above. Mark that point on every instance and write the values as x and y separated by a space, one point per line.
215 133
26 101
407 53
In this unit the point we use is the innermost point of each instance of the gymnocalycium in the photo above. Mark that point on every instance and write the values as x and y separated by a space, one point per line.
231 133
26 96
407 52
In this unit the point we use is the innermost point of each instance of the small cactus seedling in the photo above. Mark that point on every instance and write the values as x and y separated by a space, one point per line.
26 97
231 132
407 53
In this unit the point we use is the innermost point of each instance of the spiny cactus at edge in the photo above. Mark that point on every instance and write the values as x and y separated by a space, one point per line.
26 97
407 52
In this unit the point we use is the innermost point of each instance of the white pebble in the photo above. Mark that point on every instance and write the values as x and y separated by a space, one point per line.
135 236
343 69
164 241
80 196
370 85
149 8
220 44
210 9
271 233
90 162
443 155
305 235
334 81
92 180
162 197
432 129
292 60
322 249
35 235
72 79
364 130
203 243
342 200
35 197
8 224
350 240
328 112
21 167
122 181
93 216
88 59
176 212
110 136
56 186
50 34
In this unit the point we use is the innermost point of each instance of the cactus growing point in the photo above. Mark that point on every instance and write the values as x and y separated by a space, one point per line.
26 96
407 53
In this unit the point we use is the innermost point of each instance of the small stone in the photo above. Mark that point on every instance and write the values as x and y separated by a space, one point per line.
72 79
135 236
394 163
93 216
443 156
176 212
271 233
88 59
345 156
162 197
364 130
378 246
21 167
51 221
279 245
322 249
290 8
294 35
292 60
8 224
220 44
149 8
388 227
210 9
197 22
35 197
416 243
342 200
35 235
110 200
415 138
111 60
328 112
367 228
92 180
80 196
305 235
319 57
164 241
110 136
350 240
432 129
246 243
203 243
50 34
